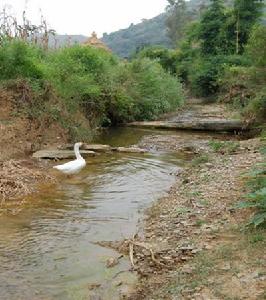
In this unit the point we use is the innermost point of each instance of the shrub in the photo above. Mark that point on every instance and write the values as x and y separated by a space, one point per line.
256 47
244 89
205 75
20 60
80 76
256 199
228 147
154 91
204 81
255 110
167 58
70 82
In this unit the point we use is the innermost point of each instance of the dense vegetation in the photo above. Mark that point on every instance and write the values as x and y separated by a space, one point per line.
221 54
67 84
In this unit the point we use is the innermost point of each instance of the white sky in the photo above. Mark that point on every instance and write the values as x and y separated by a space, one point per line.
85 16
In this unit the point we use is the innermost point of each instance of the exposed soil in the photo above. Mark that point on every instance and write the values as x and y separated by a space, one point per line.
19 137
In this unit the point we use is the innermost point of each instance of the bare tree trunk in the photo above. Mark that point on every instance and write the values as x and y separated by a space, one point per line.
237 34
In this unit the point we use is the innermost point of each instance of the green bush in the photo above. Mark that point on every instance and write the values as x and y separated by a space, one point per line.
256 199
154 90
205 75
80 76
84 80
20 60
244 89
167 58
223 147
256 107
256 47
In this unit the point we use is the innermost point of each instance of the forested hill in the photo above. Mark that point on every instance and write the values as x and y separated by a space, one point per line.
124 42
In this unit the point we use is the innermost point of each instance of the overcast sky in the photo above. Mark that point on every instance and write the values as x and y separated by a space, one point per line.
85 16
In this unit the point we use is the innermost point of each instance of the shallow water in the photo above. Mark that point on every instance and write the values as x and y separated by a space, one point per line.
48 251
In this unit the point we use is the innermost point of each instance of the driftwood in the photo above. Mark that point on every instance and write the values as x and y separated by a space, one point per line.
133 243
131 254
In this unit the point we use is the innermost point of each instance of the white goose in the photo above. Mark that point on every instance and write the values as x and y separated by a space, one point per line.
74 166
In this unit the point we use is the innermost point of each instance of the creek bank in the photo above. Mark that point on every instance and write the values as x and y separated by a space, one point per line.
194 222
19 178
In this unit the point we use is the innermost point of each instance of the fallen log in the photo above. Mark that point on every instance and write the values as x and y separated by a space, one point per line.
203 125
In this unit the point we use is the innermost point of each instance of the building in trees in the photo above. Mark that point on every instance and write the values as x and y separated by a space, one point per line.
93 41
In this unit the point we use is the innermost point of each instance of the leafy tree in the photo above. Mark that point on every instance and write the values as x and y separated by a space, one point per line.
256 47
246 13
177 20
167 58
211 25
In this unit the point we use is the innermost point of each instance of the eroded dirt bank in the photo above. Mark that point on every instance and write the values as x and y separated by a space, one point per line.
19 137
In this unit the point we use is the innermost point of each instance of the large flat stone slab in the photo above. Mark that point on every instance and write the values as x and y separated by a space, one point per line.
203 125
105 148
129 150
90 147
60 154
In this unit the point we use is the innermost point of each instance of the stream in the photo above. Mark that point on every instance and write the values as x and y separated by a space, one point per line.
48 251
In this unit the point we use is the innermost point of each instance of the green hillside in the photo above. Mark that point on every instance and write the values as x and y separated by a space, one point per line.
124 42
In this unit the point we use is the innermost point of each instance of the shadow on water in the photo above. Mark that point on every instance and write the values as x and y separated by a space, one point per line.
48 250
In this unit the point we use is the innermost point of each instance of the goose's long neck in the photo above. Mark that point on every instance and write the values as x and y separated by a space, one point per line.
76 150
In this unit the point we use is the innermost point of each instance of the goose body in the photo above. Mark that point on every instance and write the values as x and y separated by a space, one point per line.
74 166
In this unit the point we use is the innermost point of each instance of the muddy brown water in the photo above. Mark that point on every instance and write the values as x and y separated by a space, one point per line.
48 251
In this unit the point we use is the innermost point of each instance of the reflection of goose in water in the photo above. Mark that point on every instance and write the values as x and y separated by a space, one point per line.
74 166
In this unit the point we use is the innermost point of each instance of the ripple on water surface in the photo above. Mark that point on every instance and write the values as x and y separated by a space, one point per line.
47 251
